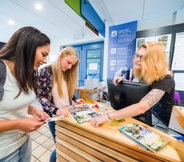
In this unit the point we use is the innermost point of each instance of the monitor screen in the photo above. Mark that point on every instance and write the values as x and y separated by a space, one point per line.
127 93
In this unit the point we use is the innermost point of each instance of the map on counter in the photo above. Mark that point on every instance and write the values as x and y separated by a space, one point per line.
84 113
144 137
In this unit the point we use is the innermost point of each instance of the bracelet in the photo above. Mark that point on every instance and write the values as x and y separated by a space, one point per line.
55 110
109 116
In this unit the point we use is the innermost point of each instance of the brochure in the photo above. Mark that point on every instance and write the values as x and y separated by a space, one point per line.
52 119
84 113
144 137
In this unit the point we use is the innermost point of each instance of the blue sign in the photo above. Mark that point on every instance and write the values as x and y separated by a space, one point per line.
122 42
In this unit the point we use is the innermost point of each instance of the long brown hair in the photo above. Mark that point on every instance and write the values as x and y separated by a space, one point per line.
21 49
70 76
154 64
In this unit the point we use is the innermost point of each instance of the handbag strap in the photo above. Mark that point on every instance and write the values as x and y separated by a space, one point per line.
2 78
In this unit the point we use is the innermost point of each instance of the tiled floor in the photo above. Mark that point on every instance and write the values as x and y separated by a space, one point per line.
42 144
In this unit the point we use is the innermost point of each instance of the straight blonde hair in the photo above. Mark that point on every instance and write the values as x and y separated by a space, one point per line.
154 63
70 76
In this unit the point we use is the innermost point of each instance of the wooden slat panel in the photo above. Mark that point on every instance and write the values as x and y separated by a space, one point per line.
60 159
87 151
65 156
124 149
70 153
97 146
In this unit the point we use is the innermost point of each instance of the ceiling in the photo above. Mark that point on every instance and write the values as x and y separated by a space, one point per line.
56 18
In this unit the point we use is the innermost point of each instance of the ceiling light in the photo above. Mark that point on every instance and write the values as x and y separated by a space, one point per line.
11 22
38 6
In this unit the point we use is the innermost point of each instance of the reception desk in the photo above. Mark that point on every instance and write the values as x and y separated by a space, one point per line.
83 142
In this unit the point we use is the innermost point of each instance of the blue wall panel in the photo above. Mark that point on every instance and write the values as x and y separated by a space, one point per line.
90 14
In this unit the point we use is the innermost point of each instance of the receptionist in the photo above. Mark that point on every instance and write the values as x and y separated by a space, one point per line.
150 66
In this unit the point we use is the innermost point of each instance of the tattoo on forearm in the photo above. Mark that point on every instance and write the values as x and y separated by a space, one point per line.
153 97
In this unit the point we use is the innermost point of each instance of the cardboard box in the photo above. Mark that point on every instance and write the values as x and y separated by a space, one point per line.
91 84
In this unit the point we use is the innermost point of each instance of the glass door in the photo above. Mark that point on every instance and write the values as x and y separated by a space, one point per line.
90 61
93 63
94 60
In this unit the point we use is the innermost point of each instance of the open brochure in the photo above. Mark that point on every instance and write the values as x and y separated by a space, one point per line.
144 137
85 112
52 119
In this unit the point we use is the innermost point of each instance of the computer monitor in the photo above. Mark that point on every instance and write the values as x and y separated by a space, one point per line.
127 93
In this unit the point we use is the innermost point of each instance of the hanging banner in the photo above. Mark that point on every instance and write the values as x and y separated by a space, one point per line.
122 41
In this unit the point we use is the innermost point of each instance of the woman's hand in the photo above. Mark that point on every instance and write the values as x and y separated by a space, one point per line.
39 115
99 120
118 79
80 101
29 124
62 113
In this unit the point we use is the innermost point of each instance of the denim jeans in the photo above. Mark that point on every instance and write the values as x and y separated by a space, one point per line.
23 154
52 130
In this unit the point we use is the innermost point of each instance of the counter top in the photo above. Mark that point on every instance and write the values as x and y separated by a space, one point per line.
109 134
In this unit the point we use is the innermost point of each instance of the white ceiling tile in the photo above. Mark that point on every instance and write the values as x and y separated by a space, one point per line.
153 10
59 3
43 25
4 4
21 14
47 7
73 27
57 18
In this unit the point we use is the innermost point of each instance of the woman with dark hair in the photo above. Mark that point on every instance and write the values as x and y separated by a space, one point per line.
26 50
150 65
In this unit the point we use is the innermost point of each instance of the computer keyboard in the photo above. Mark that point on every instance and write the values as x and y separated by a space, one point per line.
161 128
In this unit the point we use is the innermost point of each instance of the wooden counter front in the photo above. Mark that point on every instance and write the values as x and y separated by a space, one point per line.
83 142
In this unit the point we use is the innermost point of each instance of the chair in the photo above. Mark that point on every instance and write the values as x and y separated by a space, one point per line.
177 96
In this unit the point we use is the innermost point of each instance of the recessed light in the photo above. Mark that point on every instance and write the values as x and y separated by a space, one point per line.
11 22
38 6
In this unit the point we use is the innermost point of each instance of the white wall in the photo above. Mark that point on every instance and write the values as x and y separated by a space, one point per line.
89 36
64 40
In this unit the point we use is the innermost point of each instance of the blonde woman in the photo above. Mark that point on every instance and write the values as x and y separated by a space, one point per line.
57 83
150 66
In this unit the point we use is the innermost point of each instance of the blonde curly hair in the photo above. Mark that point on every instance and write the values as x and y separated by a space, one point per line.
154 64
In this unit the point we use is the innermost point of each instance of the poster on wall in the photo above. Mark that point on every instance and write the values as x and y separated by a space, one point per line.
178 58
164 39
122 39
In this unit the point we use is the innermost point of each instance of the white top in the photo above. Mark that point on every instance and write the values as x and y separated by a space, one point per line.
11 109
60 102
